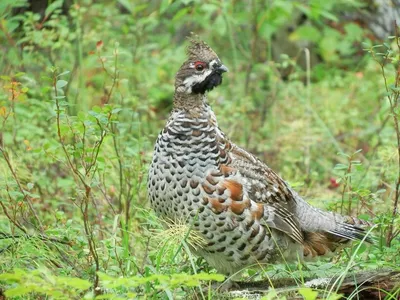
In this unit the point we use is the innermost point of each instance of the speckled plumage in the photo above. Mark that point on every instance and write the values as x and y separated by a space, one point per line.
245 212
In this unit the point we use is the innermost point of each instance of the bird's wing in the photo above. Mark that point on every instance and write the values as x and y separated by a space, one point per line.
266 187
247 176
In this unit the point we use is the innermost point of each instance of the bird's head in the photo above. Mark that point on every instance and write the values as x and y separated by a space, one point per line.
201 72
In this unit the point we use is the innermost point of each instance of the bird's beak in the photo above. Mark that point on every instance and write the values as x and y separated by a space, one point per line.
222 69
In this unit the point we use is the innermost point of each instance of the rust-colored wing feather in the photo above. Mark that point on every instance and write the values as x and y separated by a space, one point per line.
265 187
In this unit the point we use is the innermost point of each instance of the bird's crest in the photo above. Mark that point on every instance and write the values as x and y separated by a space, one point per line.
199 48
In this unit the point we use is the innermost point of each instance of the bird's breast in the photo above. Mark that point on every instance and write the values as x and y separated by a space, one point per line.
184 152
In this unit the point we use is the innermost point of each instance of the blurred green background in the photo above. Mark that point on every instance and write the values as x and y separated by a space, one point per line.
87 85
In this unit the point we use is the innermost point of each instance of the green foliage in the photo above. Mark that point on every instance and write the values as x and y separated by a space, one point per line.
42 282
85 94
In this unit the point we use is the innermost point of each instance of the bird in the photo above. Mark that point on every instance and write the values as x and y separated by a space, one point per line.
244 211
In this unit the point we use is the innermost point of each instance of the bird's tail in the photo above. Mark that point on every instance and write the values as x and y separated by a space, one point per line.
324 231
324 243
350 228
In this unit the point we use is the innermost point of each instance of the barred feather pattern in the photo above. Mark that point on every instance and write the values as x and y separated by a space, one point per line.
246 213
190 178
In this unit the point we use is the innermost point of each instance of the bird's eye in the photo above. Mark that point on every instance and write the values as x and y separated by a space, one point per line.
199 65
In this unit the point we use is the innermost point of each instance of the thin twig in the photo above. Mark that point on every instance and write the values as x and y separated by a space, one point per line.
26 196
85 204
12 220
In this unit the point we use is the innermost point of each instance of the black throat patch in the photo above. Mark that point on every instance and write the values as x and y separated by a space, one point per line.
210 82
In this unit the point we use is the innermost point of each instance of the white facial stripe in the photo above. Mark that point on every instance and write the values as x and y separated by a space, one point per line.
214 63
195 78
189 82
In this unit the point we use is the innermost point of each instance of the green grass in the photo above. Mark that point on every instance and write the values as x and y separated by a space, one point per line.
83 98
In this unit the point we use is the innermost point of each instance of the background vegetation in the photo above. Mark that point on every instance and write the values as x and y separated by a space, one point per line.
87 85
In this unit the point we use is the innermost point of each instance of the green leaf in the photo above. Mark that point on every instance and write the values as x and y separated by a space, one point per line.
61 83
16 195
96 109
63 73
329 16
53 6
340 167
18 291
272 295
306 32
164 5
354 32
13 277
209 277
128 6
308 293
116 110
76 282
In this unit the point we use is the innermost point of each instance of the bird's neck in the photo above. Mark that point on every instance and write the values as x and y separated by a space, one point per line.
193 104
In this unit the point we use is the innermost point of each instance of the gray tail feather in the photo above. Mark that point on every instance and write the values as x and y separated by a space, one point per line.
351 232
312 219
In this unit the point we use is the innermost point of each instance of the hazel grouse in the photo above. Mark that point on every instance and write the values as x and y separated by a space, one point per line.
246 213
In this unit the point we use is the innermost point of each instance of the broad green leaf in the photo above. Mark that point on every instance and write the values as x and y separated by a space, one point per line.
306 32
308 293
61 83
